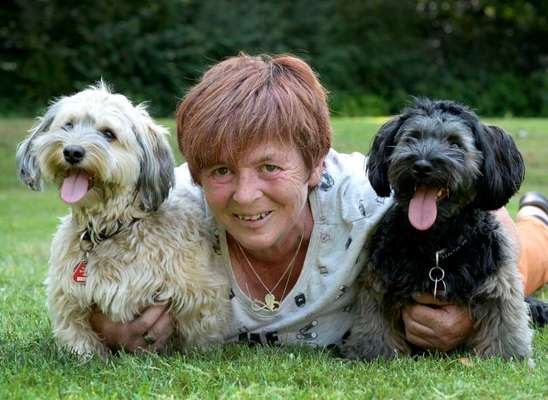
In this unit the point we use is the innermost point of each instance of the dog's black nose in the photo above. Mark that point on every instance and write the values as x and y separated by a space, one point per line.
422 167
74 154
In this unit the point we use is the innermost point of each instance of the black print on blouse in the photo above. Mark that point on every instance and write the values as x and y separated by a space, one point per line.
272 338
309 326
249 338
325 237
252 339
326 182
348 242
231 295
346 336
307 336
304 332
342 292
323 270
300 300
361 206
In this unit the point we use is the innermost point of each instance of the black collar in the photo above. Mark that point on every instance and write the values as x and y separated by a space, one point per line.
94 239
446 253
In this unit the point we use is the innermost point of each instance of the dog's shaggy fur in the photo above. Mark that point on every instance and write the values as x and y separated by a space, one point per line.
145 243
446 169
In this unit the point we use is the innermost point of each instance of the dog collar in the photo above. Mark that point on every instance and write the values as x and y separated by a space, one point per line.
446 253
437 273
88 240
89 234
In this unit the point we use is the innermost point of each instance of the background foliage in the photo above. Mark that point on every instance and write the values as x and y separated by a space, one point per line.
489 54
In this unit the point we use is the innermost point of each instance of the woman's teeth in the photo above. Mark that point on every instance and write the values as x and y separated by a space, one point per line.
255 217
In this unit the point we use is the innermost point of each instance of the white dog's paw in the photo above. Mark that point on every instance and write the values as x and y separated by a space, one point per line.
86 350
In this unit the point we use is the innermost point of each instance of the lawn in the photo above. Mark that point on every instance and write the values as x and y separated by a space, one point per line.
32 367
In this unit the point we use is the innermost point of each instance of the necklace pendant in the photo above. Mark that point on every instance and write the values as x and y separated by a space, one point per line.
270 302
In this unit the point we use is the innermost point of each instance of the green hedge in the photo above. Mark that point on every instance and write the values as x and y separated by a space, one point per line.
371 55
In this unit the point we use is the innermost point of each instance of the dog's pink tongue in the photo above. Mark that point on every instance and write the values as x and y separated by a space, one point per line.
75 186
423 208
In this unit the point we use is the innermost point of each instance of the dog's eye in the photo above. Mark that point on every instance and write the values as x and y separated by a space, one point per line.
108 134
67 126
411 137
454 142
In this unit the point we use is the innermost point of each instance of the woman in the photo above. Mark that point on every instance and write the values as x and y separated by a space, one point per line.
292 214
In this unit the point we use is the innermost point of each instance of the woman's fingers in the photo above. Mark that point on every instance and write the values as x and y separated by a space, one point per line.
158 335
437 326
142 324
149 331
418 321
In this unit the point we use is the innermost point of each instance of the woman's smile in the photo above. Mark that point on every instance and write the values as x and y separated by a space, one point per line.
253 217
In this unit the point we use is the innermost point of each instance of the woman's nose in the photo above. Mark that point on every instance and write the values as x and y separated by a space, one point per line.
247 188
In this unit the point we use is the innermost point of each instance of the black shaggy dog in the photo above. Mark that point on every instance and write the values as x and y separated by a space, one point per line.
446 171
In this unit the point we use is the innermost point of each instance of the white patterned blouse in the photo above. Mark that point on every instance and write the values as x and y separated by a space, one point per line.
318 309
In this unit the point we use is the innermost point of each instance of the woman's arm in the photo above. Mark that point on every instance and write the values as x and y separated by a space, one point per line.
154 324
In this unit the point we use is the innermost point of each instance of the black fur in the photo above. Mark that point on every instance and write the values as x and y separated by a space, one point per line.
503 168
401 257
473 168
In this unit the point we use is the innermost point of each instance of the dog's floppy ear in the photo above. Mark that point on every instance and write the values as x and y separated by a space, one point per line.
28 168
503 168
157 165
378 160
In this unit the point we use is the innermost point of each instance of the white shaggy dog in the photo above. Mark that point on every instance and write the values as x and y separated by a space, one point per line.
128 242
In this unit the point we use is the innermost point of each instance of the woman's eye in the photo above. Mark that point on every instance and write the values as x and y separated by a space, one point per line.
270 168
221 171
67 126
108 134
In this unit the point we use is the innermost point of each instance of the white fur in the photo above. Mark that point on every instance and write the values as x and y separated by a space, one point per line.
163 250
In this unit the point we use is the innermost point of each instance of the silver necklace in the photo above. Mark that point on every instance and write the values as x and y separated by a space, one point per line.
270 303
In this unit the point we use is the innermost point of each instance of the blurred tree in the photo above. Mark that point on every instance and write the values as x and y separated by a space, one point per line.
492 55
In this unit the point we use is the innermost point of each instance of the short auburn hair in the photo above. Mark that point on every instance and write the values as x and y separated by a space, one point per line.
246 101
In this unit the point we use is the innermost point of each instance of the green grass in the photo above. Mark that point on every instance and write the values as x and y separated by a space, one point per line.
32 367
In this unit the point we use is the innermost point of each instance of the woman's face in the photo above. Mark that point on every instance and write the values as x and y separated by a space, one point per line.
262 200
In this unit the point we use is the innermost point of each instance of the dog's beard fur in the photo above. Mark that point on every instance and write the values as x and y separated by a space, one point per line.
440 161
161 246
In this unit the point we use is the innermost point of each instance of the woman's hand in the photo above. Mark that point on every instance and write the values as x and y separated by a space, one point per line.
432 324
150 331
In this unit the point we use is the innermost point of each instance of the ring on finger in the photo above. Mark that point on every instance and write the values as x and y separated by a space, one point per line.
149 339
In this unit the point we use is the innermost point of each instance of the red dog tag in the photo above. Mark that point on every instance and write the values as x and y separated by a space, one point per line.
79 274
